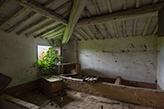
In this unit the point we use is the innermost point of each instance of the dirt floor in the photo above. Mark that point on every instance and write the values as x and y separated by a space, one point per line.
76 100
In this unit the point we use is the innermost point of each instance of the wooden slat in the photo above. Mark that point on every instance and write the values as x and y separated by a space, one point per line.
14 14
137 3
134 27
34 6
34 24
90 32
151 10
3 3
55 33
155 30
115 30
78 35
108 3
50 3
146 26
96 7
106 30
98 32
123 28
84 33
56 36
123 4
76 10
49 31
18 24
67 4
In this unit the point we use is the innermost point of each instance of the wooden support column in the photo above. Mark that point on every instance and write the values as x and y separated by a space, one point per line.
76 10
36 7
161 23
146 11
118 81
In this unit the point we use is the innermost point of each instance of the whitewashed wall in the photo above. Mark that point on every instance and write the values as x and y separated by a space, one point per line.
17 57
132 58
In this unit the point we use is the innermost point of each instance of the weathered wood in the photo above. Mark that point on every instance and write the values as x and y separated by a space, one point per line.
123 28
49 31
90 32
34 6
84 33
123 15
118 81
76 10
106 30
137 3
109 6
34 24
155 30
161 23
96 6
55 36
134 27
67 4
155 1
78 35
50 3
18 24
12 15
2 3
123 4
115 30
146 26
54 33
41 27
97 32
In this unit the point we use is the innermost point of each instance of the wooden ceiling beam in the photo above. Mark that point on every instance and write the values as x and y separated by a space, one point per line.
56 36
67 4
52 35
50 3
115 29
90 32
155 30
76 10
18 24
146 26
108 3
78 35
36 7
123 15
14 14
84 33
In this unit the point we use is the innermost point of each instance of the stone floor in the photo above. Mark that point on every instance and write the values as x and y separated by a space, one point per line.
77 100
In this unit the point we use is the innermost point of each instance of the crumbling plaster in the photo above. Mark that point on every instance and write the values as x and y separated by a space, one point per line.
132 58
160 63
17 57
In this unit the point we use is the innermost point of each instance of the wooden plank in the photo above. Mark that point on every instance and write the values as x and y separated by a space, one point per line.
54 33
106 30
55 36
84 33
14 14
161 23
137 3
151 10
96 7
78 35
108 3
49 31
50 3
134 27
18 24
36 7
115 30
118 81
123 28
90 32
123 4
76 10
34 24
98 32
155 30
146 26
67 4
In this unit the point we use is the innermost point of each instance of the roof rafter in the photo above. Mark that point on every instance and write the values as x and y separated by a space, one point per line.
76 10
124 15
36 7
146 26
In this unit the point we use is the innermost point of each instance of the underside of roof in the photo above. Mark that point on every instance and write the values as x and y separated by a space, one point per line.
49 18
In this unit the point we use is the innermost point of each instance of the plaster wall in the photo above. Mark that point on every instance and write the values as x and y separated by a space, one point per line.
160 63
132 58
68 52
17 57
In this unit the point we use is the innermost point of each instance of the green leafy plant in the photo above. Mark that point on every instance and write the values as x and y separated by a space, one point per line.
48 63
